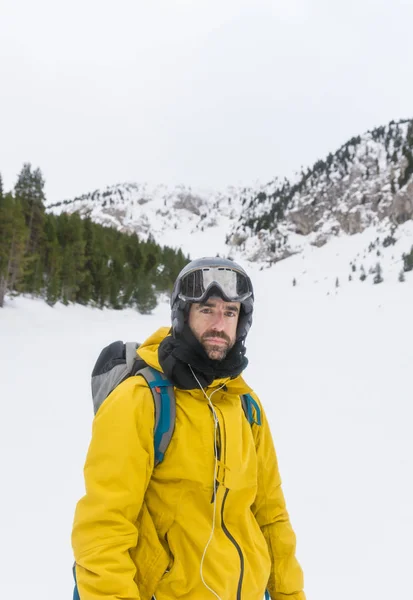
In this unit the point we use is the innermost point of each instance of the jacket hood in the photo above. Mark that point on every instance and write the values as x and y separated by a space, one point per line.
148 351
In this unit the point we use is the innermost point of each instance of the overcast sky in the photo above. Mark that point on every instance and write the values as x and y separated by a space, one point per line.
202 92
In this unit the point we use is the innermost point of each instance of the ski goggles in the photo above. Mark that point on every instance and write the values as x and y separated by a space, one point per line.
234 285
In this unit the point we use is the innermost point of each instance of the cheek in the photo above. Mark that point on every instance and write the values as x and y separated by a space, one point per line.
196 324
234 331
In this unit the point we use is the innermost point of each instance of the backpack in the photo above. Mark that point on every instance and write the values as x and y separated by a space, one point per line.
119 361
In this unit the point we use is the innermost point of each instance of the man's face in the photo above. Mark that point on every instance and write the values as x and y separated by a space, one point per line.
214 324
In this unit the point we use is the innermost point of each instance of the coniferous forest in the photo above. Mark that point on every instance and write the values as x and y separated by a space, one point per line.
71 259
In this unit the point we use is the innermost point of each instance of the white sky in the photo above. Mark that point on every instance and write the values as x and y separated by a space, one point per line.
208 93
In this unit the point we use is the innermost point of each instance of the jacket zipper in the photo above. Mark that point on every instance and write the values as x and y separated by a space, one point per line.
218 456
237 546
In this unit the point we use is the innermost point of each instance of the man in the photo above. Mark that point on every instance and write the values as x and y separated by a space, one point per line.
210 520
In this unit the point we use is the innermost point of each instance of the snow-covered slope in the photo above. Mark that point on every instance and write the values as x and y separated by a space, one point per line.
332 366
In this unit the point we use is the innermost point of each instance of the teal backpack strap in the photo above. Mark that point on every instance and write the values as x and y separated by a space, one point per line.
250 407
75 591
165 409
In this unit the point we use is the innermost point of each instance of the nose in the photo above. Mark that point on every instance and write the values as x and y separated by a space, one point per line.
219 321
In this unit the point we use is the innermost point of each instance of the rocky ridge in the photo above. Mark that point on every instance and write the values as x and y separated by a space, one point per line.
367 181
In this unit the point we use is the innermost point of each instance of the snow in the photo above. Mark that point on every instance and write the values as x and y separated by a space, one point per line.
333 369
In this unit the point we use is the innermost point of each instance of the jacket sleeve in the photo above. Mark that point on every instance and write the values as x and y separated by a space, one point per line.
118 467
286 578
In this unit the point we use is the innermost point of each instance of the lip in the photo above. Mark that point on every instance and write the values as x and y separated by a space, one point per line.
218 341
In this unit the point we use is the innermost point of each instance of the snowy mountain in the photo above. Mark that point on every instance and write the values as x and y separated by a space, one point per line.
368 182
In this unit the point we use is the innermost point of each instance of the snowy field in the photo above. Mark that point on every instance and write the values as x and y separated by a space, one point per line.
333 367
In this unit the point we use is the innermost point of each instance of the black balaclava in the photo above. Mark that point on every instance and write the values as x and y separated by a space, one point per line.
175 354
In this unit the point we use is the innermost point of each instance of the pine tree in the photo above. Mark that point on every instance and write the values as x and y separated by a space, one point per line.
13 237
408 261
73 257
116 283
362 274
133 268
29 191
99 242
145 296
378 278
53 260
86 291
151 260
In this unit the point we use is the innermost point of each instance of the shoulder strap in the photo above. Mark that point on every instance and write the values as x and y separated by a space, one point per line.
165 409
250 406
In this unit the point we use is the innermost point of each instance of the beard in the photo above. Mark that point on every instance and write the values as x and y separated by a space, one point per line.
215 351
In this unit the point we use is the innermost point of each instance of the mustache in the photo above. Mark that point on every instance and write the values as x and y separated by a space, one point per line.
215 334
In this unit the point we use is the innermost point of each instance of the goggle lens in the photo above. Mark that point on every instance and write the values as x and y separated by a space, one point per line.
233 284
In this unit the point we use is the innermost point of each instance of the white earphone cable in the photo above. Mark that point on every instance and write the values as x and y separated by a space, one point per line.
214 510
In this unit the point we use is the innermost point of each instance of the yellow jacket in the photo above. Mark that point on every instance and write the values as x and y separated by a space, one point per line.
140 531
